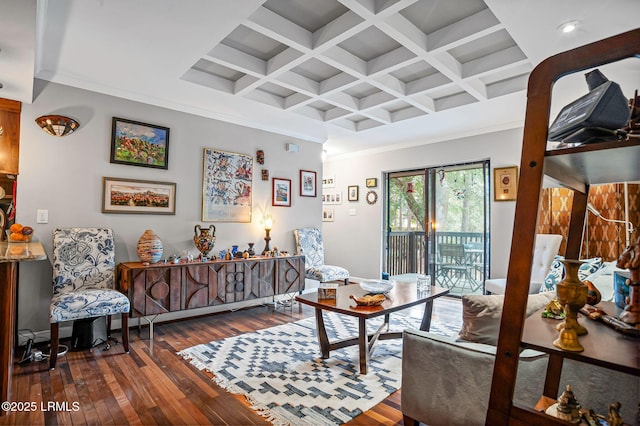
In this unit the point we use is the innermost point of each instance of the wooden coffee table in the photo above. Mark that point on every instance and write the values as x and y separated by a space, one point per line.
402 296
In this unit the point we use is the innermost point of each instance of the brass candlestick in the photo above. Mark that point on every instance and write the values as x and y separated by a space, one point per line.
572 295
267 238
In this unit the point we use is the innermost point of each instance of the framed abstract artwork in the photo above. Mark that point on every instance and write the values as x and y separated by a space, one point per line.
281 192
139 144
226 186
138 196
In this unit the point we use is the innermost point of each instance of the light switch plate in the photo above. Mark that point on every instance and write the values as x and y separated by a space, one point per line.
352 212
42 216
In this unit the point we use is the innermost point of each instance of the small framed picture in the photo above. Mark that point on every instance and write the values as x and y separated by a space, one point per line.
281 192
353 191
371 182
138 196
505 183
139 144
328 182
327 215
307 183
332 197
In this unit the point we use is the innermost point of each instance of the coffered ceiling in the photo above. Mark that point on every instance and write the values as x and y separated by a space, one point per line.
353 74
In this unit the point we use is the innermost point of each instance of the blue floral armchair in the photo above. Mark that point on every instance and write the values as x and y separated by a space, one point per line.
83 281
309 244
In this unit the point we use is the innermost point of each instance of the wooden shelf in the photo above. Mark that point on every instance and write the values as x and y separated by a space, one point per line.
595 163
603 345
576 168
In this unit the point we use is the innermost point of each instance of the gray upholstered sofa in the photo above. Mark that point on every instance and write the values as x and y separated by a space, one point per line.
447 381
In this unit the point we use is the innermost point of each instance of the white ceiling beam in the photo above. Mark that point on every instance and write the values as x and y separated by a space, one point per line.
337 82
380 115
426 83
453 101
284 61
405 114
343 27
300 83
295 100
280 29
507 86
238 60
468 29
392 84
208 80
266 98
340 58
367 124
244 84
344 100
335 113
422 102
391 61
310 112
375 100
510 57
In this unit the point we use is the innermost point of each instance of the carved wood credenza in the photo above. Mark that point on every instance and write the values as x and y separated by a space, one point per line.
162 287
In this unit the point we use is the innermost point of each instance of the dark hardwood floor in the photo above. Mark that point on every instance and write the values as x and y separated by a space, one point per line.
152 385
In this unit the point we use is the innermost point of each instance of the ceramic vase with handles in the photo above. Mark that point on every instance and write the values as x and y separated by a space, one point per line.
204 239
149 247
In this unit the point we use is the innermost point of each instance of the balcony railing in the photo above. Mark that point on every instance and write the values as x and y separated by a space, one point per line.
406 253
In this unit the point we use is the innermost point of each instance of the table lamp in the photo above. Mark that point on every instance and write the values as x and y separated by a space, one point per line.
268 223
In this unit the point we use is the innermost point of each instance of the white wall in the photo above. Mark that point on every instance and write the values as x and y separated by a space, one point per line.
64 176
356 241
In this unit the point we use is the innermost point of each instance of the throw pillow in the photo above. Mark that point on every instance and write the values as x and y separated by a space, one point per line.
481 315
556 272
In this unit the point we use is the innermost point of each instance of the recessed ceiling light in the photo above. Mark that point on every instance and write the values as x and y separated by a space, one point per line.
568 27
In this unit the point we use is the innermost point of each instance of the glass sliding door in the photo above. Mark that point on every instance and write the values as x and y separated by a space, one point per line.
437 223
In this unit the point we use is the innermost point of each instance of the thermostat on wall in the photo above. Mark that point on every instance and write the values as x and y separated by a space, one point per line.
292 147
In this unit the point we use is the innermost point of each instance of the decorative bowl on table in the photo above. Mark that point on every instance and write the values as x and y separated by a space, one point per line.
377 286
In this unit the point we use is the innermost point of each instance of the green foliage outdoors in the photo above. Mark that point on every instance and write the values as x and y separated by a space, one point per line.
459 202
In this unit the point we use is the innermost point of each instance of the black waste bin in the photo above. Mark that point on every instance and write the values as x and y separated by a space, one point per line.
89 332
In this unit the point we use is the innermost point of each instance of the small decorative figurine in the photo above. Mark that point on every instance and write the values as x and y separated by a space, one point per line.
614 418
630 259
250 250
568 407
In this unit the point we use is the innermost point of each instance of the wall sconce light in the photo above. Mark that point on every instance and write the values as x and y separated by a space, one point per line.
268 223
57 125
628 224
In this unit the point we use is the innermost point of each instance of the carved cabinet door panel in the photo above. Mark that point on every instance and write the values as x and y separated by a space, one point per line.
290 275
259 279
195 290
162 290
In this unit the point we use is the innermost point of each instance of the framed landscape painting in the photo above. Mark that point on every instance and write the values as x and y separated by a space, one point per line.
139 144
307 183
138 196
281 192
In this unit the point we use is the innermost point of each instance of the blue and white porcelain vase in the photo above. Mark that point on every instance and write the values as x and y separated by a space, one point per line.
149 247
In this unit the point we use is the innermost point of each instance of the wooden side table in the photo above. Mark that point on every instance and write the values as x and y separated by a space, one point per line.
10 255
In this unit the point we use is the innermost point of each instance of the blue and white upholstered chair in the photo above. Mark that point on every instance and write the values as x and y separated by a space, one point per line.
309 244
83 282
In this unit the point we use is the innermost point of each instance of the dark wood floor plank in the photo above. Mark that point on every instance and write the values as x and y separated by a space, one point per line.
154 386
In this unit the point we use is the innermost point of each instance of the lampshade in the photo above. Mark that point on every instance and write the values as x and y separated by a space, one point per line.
57 125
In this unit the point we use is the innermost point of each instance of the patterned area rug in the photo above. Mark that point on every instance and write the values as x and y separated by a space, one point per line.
282 375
